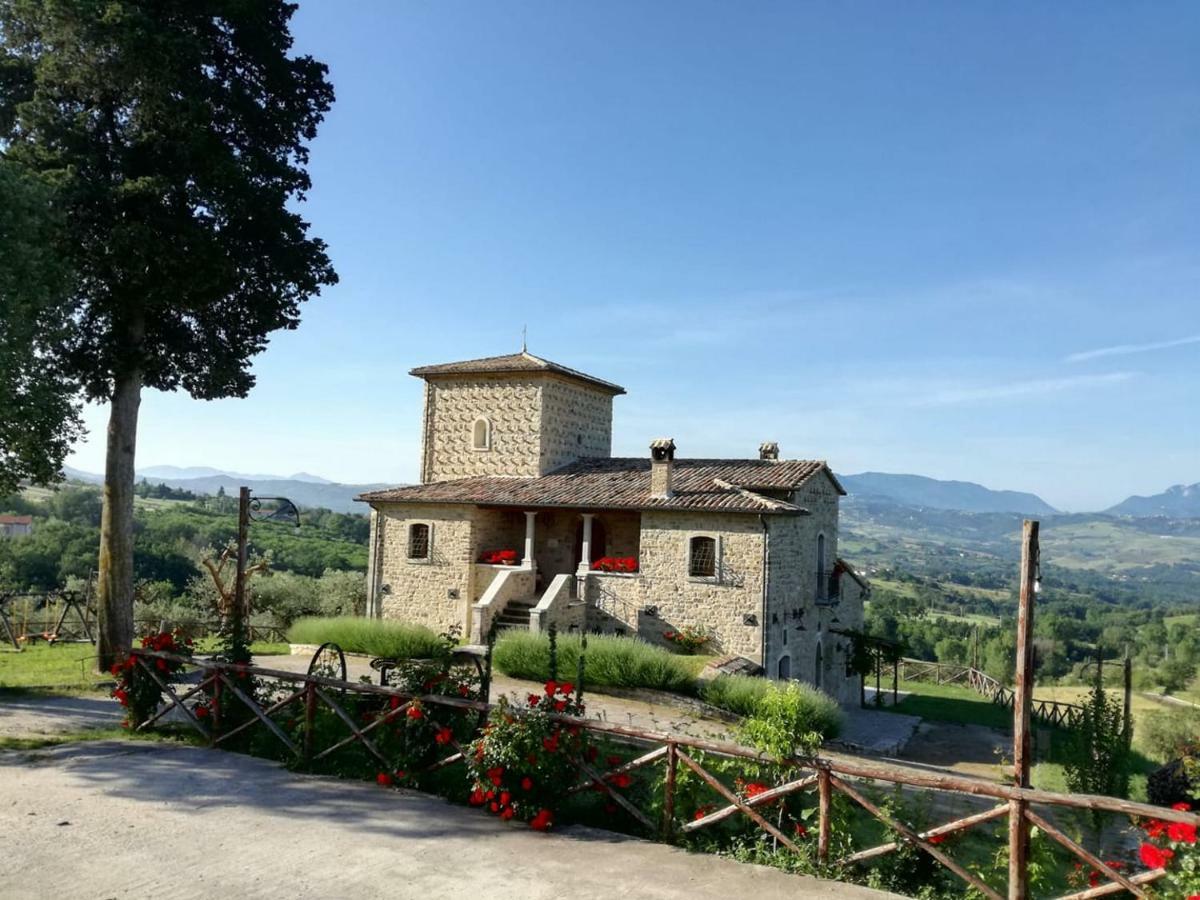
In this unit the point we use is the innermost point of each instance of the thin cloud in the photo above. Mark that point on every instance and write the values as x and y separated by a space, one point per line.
1126 349
953 396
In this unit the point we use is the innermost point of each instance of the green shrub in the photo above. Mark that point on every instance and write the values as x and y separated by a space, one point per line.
738 694
398 640
611 661
792 718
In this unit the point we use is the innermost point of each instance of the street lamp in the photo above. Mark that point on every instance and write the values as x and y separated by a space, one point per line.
256 509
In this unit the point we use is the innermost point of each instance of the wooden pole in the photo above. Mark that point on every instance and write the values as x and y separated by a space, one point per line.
1018 824
895 681
824 802
668 822
239 583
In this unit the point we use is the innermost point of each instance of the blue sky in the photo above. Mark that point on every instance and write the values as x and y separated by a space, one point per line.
961 240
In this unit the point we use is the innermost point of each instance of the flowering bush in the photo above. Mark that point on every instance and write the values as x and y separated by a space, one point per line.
615 564
690 638
136 690
1172 846
499 557
521 767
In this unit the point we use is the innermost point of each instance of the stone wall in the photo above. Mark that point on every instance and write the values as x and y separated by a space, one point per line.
538 423
576 423
434 592
513 405
720 605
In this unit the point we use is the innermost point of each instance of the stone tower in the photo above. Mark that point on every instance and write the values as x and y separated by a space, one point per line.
516 415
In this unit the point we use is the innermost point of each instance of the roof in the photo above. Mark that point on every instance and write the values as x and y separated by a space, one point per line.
514 362
710 485
16 520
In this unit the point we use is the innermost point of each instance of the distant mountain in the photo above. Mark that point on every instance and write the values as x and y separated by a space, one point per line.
159 473
302 489
917 490
1179 502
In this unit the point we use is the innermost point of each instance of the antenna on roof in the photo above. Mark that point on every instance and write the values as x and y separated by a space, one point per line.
524 329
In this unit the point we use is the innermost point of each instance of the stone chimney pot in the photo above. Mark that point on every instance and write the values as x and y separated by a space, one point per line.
662 468
768 450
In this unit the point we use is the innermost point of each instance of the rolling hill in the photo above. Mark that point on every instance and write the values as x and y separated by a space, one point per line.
919 491
1180 502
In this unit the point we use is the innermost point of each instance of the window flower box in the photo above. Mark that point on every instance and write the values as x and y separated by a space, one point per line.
499 557
626 564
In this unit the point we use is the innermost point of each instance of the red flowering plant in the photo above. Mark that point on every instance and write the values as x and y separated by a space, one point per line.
522 765
690 638
415 734
627 564
136 690
499 557
1172 846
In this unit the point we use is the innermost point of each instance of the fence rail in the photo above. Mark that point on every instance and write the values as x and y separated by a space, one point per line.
1048 712
828 774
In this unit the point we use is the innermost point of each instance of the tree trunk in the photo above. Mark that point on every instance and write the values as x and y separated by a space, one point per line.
114 600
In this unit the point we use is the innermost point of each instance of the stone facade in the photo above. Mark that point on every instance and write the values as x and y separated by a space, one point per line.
769 598
534 424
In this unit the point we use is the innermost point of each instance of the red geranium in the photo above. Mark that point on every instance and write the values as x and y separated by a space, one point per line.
542 821
1182 832
1155 857
383 779
444 736
527 783
414 713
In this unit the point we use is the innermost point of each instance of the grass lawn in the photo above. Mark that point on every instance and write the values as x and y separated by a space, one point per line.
951 703
51 665
69 666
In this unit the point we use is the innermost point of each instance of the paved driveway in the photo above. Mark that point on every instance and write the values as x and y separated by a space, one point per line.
114 819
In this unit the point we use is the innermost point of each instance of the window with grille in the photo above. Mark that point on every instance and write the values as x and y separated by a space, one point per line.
702 562
418 541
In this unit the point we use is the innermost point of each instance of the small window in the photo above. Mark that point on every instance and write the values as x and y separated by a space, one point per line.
481 435
785 668
785 637
702 560
418 541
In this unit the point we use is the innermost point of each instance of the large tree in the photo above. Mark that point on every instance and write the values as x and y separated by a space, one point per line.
175 135
39 416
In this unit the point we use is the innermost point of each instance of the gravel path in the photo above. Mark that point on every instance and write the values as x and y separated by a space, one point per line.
114 819
36 714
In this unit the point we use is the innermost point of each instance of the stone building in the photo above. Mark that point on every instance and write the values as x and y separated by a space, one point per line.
523 517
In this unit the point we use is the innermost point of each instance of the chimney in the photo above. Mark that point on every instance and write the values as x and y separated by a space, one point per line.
662 465
768 450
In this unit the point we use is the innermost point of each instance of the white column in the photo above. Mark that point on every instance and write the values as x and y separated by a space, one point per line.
585 553
527 562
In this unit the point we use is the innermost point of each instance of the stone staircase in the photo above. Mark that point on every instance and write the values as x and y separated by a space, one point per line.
515 615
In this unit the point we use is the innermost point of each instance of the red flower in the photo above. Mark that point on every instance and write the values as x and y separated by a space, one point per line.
394 702
551 687
533 699
1181 832
527 783
1181 807
444 736
542 821
505 798
201 712
414 713
476 798
622 780
383 779
936 839
669 635
401 774
560 705
506 813
463 690
754 788
494 807
1155 857
704 811
800 829
566 687
551 743
1156 828
495 775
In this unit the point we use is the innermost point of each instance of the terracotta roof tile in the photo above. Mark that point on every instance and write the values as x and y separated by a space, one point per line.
717 485
514 362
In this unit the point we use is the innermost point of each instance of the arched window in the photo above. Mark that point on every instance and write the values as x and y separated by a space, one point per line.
785 668
822 576
819 668
702 557
481 435
418 541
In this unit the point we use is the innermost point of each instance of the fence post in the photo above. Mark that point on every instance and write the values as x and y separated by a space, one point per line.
1128 721
824 801
310 715
1018 825
668 823
216 710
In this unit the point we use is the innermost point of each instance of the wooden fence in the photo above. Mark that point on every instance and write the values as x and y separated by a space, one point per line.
827 774
1048 712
